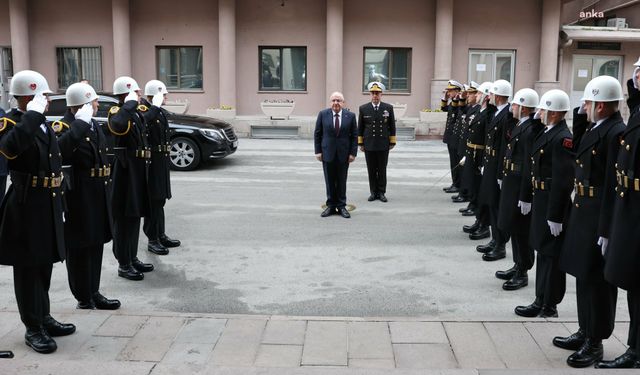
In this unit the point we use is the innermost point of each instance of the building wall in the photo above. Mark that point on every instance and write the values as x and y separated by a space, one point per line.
5 34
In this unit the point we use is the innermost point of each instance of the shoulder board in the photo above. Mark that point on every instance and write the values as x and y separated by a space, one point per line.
567 143
59 126
4 121
143 108
113 110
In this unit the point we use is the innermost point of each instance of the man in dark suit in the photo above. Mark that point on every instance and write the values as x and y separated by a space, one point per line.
336 145
376 136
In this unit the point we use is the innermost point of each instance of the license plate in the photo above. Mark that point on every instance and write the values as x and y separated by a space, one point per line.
235 144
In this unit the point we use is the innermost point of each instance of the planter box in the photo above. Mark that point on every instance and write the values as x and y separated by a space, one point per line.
177 106
222 114
277 111
399 110
433 116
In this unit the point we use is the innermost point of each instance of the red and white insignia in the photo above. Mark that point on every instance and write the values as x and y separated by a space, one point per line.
128 85
87 95
33 86
567 143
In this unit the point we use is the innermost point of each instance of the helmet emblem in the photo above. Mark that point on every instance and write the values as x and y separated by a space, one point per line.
159 89
548 102
87 95
33 86
128 85
595 92
521 100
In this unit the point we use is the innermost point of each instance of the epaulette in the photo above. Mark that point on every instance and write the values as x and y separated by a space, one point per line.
4 121
59 126
143 108
113 110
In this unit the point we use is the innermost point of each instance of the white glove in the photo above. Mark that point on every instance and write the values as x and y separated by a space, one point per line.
464 158
555 228
603 242
132 96
482 170
158 99
85 113
38 103
536 116
634 79
525 207
500 184
581 109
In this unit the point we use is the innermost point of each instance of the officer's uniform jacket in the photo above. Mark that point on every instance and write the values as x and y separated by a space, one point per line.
130 172
499 127
476 120
31 228
159 136
376 129
622 259
594 197
467 113
552 171
516 156
88 216
453 112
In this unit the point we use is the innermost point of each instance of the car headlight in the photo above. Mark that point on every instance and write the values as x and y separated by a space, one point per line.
214 134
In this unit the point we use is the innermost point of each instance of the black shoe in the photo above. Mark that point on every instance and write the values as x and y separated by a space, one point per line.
530 311
382 197
471 228
519 280
168 242
451 190
508 274
464 209
328 212
480 233
6 354
469 213
486 248
38 340
372 198
496 253
141 267
55 328
448 187
627 360
130 273
572 342
589 354
86 305
157 248
103 303
548 312
344 213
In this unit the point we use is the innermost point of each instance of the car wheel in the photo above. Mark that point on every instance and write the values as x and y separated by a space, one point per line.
184 155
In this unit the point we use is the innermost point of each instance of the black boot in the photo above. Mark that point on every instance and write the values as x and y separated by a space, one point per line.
530 311
103 303
471 228
519 280
508 274
589 354
141 267
486 248
55 328
571 342
38 339
627 360
481 233
497 253
130 273
451 189
168 242
548 312
157 248
86 305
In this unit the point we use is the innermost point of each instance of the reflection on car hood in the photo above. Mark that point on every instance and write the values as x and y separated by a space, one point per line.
197 121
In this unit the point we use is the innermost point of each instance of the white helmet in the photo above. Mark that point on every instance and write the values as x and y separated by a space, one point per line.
27 83
603 89
124 85
637 62
485 88
501 88
154 86
526 98
79 94
555 100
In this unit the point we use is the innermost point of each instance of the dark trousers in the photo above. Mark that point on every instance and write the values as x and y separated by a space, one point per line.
453 163
125 239
523 255
32 293
501 237
153 225
335 179
84 266
550 281
633 299
377 170
3 186
596 307
482 215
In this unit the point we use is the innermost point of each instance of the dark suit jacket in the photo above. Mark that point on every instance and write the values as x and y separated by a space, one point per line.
376 130
333 145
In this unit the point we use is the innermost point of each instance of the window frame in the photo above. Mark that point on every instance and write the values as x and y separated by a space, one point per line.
495 53
59 50
282 90
178 47
389 90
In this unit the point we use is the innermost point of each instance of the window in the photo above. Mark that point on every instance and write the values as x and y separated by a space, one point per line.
283 68
491 65
391 66
77 63
180 67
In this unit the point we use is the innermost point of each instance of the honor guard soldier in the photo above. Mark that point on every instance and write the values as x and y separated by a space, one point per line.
595 182
449 104
88 216
31 221
130 189
457 137
472 110
376 136
159 178
511 218
473 162
622 251
552 178
497 135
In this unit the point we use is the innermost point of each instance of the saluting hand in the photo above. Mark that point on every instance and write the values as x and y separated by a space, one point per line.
158 99
85 113
132 96
38 104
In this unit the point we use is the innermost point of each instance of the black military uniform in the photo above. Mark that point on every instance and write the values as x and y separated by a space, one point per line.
622 258
31 227
377 133
460 134
130 185
88 224
451 140
552 178
510 219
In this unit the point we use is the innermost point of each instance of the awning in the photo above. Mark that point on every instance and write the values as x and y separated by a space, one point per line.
608 34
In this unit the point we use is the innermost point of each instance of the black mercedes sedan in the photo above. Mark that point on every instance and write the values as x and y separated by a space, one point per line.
194 139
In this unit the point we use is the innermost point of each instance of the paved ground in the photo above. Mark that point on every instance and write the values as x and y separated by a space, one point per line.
254 244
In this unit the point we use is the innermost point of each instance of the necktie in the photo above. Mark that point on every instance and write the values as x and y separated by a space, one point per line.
375 108
337 123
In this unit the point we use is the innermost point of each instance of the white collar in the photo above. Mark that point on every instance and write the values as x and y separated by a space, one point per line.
599 122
